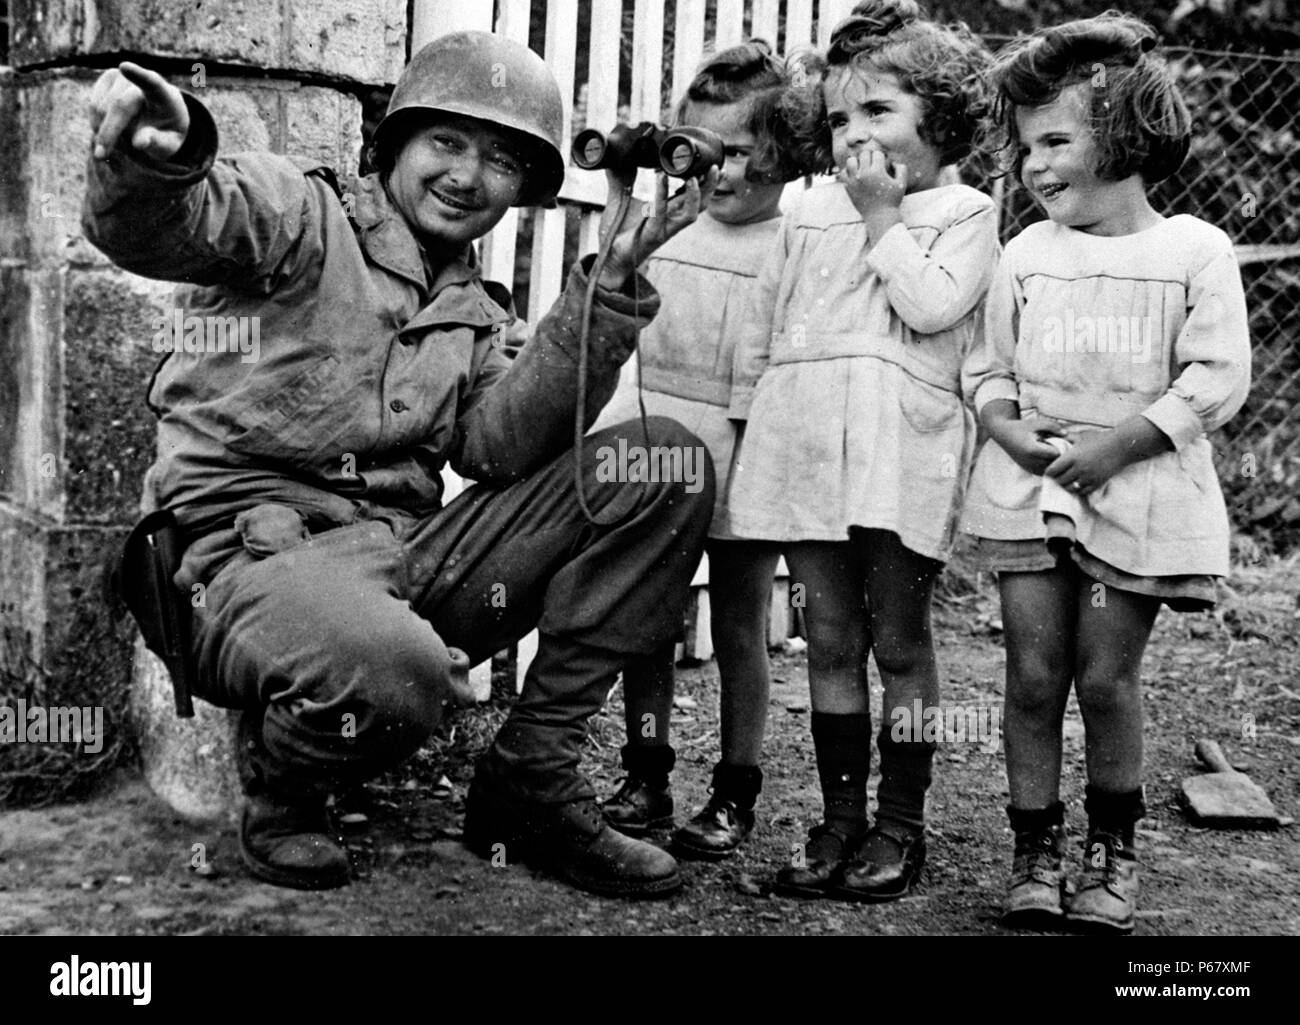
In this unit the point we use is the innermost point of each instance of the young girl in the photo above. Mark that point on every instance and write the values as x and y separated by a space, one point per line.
1121 336
685 370
857 443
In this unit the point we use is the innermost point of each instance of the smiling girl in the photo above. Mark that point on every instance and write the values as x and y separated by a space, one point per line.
857 444
1126 488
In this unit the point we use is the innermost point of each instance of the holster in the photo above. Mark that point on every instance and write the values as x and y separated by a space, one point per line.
142 578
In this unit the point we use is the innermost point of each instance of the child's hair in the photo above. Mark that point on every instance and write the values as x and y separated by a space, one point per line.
944 66
751 73
870 20
1138 118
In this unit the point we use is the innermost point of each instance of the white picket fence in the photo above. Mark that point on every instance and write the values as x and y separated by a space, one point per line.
808 23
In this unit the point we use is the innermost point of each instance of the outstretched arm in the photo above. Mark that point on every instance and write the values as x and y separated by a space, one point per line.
160 205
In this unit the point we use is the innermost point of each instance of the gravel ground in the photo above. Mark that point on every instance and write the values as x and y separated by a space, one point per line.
122 863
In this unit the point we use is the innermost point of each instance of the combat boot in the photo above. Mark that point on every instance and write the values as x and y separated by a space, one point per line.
570 840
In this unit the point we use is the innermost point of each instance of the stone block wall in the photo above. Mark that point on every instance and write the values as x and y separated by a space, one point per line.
75 339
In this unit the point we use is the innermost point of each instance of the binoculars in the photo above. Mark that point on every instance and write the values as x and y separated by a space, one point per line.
678 152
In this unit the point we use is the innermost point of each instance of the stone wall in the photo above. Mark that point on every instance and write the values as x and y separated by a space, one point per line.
75 353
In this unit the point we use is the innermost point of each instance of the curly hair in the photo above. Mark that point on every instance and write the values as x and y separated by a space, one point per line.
1138 119
751 73
944 66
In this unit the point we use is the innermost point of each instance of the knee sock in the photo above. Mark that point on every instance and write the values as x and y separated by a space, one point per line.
843 747
904 779
738 783
1035 820
1114 813
650 763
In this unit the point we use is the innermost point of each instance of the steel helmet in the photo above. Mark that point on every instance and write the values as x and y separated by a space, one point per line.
484 76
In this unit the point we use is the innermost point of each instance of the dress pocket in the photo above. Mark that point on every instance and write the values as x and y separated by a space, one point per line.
927 408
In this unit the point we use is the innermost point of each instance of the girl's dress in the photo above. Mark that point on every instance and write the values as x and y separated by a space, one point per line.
849 371
1091 330
704 276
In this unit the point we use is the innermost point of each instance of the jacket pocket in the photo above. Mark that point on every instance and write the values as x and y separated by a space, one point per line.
293 418
927 408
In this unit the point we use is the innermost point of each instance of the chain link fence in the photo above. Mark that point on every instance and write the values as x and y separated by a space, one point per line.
1243 175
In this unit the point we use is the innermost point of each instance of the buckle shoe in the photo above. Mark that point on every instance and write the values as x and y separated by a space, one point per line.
829 846
637 808
716 831
885 867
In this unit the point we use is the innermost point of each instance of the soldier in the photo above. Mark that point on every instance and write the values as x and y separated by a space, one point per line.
306 480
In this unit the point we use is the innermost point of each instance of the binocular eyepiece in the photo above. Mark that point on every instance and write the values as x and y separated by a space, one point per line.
678 152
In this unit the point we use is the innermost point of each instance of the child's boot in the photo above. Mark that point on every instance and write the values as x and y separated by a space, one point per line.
843 746
1106 900
645 800
1037 891
722 824
888 863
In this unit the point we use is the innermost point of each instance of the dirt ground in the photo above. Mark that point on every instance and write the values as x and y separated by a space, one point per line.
122 863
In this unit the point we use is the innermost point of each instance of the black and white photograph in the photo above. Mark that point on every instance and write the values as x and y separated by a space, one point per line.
636 468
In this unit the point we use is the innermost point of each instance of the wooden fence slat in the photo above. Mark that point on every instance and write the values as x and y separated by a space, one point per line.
647 59
798 24
497 250
602 70
514 19
731 23
765 21
588 187
433 18
830 14
589 233
547 272
688 44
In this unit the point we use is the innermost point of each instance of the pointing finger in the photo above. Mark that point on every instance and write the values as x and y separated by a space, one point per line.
121 109
157 90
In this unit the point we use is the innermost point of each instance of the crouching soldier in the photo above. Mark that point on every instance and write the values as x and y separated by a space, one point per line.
305 480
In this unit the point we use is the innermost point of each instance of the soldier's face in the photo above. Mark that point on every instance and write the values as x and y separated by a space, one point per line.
455 179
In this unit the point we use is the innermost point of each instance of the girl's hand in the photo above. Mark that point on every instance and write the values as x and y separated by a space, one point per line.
142 105
1094 458
875 186
1023 441
647 233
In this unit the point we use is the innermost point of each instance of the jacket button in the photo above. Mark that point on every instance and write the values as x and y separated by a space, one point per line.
397 406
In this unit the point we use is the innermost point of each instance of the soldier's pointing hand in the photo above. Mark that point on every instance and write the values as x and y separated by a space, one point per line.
141 104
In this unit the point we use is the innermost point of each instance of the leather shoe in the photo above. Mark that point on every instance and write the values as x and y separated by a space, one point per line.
638 808
571 840
291 844
813 870
1038 884
716 831
887 864
1108 888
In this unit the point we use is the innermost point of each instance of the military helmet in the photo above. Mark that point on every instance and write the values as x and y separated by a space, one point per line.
484 76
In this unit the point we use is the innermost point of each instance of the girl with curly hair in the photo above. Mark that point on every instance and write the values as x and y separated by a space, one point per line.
857 442
1116 339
